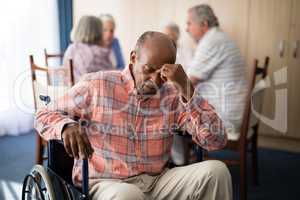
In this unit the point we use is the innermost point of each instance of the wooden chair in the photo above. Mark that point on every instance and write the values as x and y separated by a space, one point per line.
239 142
43 90
47 56
60 57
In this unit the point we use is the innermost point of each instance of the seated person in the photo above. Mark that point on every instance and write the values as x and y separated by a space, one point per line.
87 50
127 120
184 54
218 70
111 42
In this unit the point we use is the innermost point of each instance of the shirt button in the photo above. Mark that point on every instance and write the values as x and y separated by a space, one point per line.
131 136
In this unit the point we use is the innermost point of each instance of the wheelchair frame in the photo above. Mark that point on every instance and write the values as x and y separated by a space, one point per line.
54 182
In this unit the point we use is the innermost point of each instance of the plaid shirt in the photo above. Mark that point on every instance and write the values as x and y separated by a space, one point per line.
130 135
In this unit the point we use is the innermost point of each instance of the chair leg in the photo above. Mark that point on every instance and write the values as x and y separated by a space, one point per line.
39 150
199 153
243 175
254 158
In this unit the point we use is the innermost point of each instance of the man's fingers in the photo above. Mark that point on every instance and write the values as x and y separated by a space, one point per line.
88 145
74 148
67 147
90 150
82 148
163 77
163 74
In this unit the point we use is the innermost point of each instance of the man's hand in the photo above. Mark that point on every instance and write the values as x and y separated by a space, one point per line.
76 142
176 74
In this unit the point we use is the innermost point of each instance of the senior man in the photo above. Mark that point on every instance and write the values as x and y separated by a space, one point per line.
218 73
217 70
128 122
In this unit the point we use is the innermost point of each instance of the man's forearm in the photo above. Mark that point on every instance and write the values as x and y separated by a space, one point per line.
49 124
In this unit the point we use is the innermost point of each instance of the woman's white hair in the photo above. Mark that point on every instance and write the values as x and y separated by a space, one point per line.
88 30
172 26
204 12
107 18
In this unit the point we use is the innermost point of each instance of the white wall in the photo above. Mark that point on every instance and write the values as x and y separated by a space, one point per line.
27 27
133 17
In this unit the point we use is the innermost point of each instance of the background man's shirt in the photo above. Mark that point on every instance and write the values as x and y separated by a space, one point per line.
218 63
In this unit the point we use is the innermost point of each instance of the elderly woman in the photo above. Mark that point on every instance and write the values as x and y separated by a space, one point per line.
111 42
87 50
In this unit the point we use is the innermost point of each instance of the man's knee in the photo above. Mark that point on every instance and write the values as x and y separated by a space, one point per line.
217 170
120 191
128 192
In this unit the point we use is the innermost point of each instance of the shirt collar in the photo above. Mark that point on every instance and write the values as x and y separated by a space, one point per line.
210 32
128 80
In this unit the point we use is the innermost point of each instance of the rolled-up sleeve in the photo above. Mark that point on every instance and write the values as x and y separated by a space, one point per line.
200 119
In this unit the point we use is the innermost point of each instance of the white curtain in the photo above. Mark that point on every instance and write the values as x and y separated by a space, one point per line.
27 27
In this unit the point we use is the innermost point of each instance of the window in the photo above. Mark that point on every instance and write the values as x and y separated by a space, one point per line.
27 27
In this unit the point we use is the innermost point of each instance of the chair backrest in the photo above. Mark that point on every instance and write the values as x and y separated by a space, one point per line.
60 57
55 55
255 72
43 90
258 92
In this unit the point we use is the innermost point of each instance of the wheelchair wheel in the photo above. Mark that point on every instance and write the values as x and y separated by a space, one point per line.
37 185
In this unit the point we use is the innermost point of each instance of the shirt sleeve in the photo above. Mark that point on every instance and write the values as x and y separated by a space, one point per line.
199 118
206 60
50 121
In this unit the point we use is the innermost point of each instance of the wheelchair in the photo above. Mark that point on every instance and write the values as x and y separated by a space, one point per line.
54 182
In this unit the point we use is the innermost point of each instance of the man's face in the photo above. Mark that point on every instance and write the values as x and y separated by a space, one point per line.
108 33
195 29
146 67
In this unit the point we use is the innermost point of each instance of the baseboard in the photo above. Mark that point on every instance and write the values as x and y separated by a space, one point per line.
279 143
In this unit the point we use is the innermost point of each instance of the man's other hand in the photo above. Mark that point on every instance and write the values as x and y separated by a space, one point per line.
175 73
76 142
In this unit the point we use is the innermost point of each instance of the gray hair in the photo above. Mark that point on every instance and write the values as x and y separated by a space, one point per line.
204 12
107 18
88 30
173 27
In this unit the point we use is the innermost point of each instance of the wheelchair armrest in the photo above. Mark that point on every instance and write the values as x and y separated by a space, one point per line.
59 161
62 164
198 149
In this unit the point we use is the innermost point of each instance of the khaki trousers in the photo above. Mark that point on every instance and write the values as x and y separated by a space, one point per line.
206 180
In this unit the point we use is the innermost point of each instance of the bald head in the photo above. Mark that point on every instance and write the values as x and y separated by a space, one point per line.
156 42
152 51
